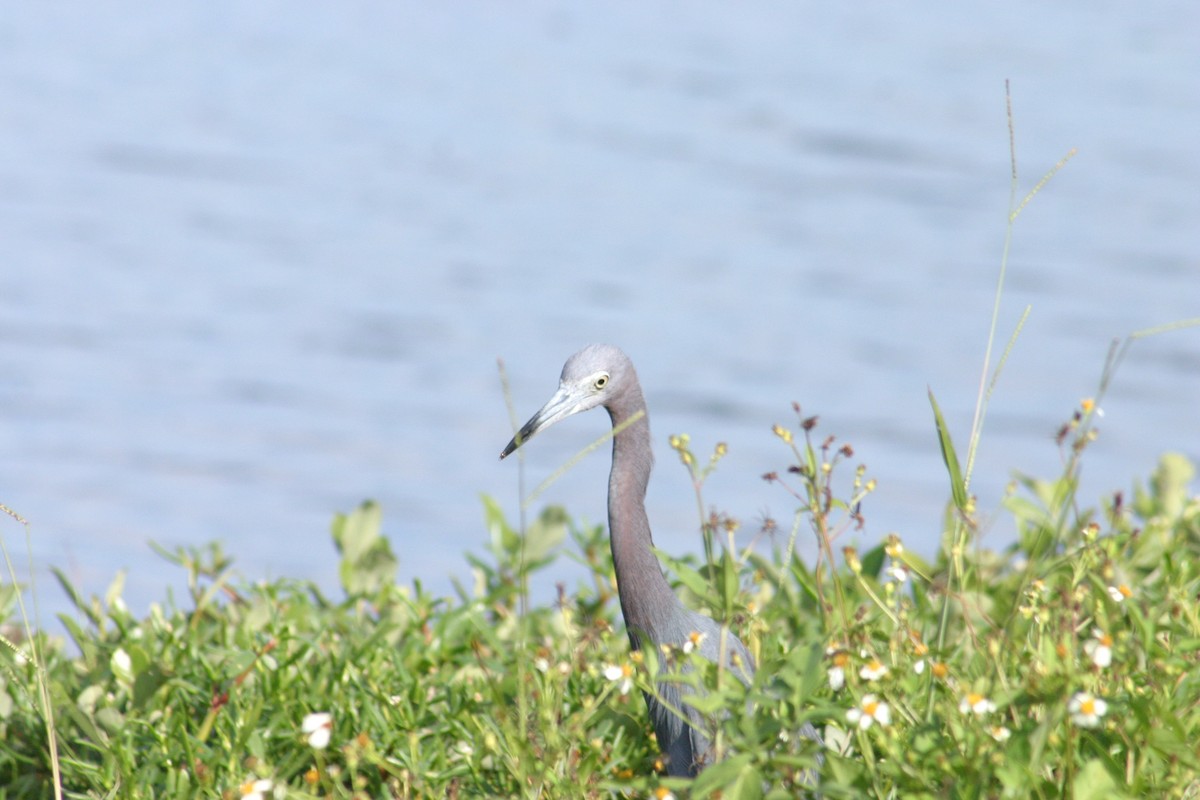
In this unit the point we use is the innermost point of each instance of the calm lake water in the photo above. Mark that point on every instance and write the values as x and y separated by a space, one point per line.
258 262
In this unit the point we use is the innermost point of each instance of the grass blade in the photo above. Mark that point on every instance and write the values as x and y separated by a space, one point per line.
957 486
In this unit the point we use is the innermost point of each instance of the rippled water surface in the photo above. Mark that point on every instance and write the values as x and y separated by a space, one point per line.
258 262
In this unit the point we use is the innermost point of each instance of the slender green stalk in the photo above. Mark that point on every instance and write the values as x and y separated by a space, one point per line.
575 459
34 638
963 525
514 422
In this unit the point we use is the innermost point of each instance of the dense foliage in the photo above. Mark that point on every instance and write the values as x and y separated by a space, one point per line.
1066 665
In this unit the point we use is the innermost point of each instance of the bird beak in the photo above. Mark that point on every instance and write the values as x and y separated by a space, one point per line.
563 404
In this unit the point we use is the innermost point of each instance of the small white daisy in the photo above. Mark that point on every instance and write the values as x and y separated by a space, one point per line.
869 711
873 670
898 572
1087 710
620 674
976 704
1099 648
839 659
317 728
255 789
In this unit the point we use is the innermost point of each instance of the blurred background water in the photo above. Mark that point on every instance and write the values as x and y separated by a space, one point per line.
258 261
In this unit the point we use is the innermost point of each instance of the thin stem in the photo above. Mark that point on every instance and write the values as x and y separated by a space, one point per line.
575 459
522 577
35 655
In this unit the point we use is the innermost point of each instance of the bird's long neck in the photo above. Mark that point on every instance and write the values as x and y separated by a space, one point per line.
646 597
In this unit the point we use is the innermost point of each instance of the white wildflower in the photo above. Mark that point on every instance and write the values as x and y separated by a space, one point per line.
869 711
1087 710
318 728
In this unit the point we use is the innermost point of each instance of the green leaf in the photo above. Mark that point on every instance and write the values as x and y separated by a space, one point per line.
747 786
115 589
958 487
82 639
146 684
1170 482
367 561
872 561
1168 736
545 534
721 775
110 719
1095 783
504 541
812 673
707 704
77 600
692 580
730 583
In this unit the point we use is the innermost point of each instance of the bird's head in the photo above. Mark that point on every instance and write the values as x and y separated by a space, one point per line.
597 375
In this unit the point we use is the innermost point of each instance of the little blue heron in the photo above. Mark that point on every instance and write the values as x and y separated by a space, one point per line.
602 375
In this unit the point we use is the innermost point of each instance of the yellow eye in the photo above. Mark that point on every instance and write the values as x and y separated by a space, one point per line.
600 382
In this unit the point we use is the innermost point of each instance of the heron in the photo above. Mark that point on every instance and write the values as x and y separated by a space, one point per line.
602 375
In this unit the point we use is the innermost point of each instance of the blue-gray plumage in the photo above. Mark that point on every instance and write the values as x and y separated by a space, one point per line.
602 375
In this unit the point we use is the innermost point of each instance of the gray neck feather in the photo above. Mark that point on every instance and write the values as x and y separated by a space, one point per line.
647 601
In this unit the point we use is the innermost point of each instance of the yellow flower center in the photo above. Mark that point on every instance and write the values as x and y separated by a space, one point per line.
1087 706
870 707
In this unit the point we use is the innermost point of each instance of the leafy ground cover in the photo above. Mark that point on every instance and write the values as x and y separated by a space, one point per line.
1065 665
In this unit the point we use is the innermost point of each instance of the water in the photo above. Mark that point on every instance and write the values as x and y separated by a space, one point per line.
258 263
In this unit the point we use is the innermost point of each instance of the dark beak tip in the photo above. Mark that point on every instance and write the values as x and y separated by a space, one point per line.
524 435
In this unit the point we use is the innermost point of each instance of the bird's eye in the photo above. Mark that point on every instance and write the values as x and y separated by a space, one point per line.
600 382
